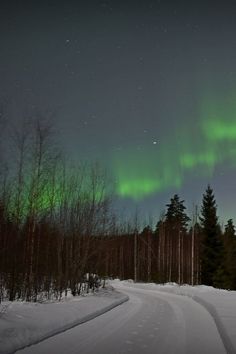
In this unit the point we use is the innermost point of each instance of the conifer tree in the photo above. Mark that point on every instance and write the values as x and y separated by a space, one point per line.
176 225
175 215
229 256
211 251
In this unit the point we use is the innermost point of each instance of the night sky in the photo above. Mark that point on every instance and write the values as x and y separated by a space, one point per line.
147 88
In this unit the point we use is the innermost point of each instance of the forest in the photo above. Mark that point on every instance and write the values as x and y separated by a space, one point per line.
57 224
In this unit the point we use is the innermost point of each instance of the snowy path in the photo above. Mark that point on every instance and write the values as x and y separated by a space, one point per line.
150 322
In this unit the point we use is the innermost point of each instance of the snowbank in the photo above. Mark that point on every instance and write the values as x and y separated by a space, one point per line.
23 324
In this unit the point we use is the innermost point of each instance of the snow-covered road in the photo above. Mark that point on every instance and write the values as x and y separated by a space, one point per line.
150 322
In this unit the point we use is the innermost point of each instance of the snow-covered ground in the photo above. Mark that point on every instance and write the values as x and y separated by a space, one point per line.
221 304
157 318
24 323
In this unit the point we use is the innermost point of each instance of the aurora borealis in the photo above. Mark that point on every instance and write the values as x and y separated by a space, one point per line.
146 88
158 169
139 176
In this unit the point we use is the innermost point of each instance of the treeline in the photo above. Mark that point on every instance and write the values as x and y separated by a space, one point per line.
179 250
57 224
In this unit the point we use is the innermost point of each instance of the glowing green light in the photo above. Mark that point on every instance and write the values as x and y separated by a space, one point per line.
219 130
139 176
187 150
190 161
138 188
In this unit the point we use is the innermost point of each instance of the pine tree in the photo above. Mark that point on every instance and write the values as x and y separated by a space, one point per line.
176 226
211 250
230 256
175 215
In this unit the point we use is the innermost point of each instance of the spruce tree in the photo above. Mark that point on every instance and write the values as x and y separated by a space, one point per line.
176 222
175 215
211 250
230 256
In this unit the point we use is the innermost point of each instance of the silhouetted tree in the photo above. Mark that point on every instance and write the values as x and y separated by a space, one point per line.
175 214
226 275
176 221
211 248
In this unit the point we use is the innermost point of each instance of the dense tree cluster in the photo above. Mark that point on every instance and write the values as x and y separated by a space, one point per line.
56 225
179 250
49 214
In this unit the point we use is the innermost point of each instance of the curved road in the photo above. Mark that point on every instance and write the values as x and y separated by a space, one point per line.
150 322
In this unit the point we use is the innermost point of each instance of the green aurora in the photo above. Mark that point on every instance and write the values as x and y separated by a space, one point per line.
53 195
167 165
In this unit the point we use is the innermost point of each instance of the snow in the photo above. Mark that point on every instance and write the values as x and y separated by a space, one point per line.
220 303
24 323
177 319
151 321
